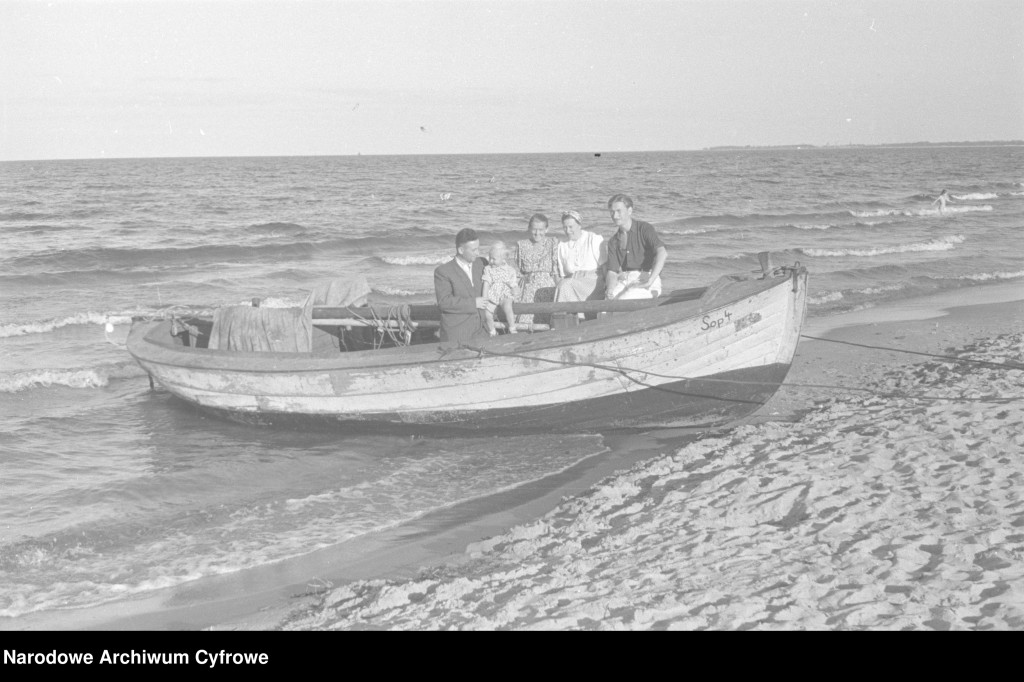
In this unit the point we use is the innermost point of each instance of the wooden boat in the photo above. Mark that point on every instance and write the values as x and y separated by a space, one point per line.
693 358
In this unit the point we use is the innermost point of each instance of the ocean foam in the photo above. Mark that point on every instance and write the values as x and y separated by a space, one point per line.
941 244
696 230
833 296
80 318
986 276
827 297
880 212
871 291
918 211
396 291
88 377
975 196
436 259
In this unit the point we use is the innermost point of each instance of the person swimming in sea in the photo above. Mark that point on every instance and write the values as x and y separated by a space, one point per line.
941 201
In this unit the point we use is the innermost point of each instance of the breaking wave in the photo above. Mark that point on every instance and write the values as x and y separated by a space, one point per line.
987 276
872 291
398 291
975 196
941 244
825 297
435 259
86 377
833 296
918 211
45 326
696 230
112 258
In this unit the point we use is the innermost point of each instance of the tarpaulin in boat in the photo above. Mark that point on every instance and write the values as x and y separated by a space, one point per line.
244 328
285 330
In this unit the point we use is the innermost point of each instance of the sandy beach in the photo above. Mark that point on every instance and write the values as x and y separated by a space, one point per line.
876 490
896 506
192 172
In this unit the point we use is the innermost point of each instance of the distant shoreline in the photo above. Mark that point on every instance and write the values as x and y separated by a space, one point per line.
893 145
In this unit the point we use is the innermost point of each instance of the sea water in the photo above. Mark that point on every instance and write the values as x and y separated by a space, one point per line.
109 489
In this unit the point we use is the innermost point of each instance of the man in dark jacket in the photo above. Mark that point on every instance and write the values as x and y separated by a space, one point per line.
459 285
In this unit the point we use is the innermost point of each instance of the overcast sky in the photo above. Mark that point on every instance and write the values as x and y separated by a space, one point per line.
283 77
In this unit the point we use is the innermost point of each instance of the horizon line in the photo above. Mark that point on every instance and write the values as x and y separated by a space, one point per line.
714 148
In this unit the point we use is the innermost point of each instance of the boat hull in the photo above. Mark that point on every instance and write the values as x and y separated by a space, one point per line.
692 403
697 364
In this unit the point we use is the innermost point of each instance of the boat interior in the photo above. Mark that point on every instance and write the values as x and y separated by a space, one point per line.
374 327
327 330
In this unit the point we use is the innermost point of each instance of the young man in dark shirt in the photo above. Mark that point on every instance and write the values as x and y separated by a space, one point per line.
636 255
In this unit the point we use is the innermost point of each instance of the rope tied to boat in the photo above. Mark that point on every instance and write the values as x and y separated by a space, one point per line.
624 371
178 326
395 323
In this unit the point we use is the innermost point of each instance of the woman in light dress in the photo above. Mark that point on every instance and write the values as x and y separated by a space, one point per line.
537 259
580 261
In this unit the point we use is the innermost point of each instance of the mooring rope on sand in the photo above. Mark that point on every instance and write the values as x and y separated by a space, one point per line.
986 363
625 370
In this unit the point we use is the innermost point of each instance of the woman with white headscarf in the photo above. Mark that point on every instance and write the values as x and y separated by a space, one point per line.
580 260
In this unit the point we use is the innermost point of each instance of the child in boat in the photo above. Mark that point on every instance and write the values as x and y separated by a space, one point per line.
501 287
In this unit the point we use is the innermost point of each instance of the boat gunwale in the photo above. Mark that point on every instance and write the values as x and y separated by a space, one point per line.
422 354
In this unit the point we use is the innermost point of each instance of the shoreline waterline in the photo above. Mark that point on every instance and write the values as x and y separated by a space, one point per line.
260 598
894 508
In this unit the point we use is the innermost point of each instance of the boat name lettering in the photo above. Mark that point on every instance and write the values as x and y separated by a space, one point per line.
708 322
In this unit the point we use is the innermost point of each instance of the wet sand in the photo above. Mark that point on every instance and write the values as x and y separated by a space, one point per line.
831 508
896 507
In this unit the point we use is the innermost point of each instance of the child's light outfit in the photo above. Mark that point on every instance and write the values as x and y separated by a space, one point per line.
502 278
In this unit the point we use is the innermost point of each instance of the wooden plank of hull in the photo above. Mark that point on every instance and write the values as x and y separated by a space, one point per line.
741 336
488 381
699 403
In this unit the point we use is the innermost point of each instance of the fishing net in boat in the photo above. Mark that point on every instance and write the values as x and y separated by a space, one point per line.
380 325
